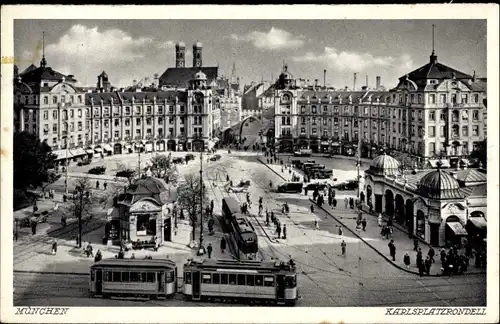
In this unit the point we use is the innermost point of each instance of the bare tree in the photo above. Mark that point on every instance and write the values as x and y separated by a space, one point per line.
162 167
124 172
81 203
189 197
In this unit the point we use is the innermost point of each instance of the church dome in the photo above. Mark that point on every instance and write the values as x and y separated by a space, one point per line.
200 75
440 184
180 44
198 45
384 164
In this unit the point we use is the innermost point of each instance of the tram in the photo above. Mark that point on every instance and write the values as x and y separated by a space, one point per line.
144 278
253 281
244 233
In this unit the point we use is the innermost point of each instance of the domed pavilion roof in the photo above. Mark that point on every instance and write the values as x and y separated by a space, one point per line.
384 164
440 184
200 75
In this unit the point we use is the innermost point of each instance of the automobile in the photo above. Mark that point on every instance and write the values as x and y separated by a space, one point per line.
347 185
236 189
315 185
302 153
215 157
290 187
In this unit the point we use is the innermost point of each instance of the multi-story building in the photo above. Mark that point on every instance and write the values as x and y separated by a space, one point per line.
47 103
126 122
435 111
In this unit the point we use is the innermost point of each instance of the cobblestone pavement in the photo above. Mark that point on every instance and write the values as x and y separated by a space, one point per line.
326 277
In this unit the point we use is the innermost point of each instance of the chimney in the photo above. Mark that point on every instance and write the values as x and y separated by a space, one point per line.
324 78
378 82
367 81
316 82
354 83
474 76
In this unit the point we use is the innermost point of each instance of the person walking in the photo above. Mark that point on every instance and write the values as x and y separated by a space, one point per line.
312 208
98 256
97 184
406 260
54 248
343 246
427 265
222 244
316 224
278 230
392 250
284 231
363 223
105 185
334 202
419 257
415 244
431 254
443 256
341 232
209 250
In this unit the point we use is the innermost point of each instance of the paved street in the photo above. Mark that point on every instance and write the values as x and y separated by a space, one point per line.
360 278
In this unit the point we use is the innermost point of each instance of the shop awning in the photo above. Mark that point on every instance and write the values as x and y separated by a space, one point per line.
78 152
325 143
138 145
127 146
478 222
89 151
98 150
60 154
107 147
335 144
457 228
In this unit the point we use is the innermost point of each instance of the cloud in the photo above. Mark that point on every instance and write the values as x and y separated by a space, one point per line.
275 39
85 51
352 61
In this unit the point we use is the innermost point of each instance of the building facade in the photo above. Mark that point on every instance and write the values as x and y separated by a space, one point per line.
434 112
437 206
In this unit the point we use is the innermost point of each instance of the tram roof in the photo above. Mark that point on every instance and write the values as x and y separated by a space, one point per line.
231 203
143 263
240 265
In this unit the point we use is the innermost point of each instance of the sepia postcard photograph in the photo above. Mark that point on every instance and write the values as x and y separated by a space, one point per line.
184 163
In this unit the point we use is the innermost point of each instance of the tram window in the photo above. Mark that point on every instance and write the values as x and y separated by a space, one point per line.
241 279
258 280
232 279
187 277
142 276
125 276
206 278
134 276
223 279
107 276
290 282
150 276
269 281
250 280
215 278
92 275
117 276
170 276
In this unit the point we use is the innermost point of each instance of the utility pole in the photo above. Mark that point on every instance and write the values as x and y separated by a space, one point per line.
201 196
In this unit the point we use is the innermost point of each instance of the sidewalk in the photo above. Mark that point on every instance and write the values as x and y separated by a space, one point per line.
373 238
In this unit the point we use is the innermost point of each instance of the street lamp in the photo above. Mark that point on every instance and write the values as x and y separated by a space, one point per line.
67 164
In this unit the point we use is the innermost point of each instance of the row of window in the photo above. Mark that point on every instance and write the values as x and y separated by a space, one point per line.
240 279
27 100
132 276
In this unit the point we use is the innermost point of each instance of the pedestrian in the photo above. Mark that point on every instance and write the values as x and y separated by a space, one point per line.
312 208
157 245
370 205
305 191
389 221
278 230
121 254
105 185
379 220
363 223
132 256
415 244
209 250
419 257
97 184
427 265
421 269
284 231
54 248
316 224
222 244
392 250
346 201
211 207
334 201
406 260
431 254
343 246
89 249
98 256
341 232
443 256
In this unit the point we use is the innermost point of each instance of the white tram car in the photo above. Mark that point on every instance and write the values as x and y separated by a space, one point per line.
133 277
262 281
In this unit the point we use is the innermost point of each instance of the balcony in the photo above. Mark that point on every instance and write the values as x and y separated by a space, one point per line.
127 138
138 137
160 136
149 137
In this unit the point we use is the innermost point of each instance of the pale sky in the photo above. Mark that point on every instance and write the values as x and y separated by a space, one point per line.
134 49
